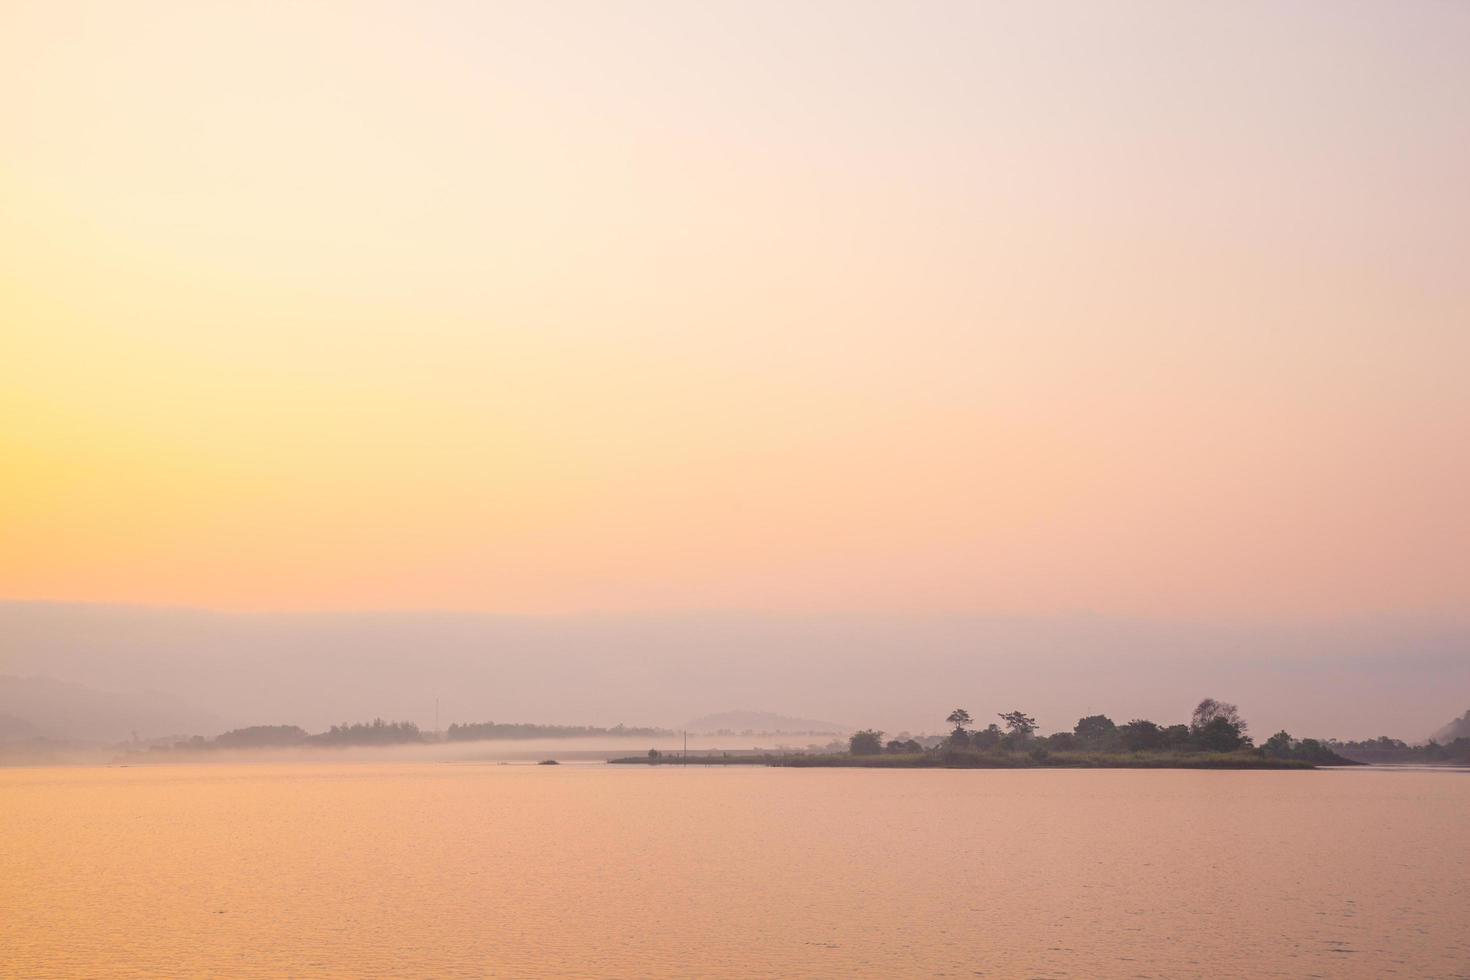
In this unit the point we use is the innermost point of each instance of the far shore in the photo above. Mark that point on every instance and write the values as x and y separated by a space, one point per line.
982 760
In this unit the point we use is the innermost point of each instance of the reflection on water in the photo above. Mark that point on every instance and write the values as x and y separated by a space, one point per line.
470 870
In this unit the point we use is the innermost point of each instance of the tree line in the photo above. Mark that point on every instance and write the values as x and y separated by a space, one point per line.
1391 750
480 731
375 732
380 732
1214 726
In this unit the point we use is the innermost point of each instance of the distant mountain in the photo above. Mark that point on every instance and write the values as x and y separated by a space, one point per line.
12 727
1351 680
31 706
762 721
1459 728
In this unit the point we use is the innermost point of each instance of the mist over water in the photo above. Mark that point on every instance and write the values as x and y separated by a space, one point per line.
1348 680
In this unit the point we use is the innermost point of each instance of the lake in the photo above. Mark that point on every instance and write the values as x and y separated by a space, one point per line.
452 870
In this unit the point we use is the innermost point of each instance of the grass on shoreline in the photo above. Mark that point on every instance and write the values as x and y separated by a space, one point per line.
986 760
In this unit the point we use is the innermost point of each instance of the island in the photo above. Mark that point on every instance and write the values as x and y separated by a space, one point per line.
1214 738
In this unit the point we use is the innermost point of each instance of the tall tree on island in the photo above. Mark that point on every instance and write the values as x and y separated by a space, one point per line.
1020 725
959 738
1218 727
868 741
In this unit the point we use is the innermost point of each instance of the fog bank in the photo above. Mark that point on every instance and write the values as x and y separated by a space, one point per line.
1349 680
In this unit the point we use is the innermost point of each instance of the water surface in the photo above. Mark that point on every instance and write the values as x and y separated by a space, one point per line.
483 870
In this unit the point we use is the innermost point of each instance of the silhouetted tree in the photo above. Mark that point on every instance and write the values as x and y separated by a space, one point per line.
1176 737
1094 731
869 741
1278 745
486 730
1019 725
987 737
261 735
1140 736
1314 751
1220 735
1210 710
1216 726
376 732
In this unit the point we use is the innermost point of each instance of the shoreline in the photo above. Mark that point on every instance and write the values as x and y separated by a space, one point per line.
986 760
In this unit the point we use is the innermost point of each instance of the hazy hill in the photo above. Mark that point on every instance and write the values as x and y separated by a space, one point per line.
32 706
12 727
761 721
1345 680
1459 728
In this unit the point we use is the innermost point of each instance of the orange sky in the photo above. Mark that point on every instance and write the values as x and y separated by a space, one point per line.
1150 309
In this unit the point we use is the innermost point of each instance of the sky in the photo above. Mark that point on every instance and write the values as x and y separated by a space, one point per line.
1150 310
